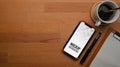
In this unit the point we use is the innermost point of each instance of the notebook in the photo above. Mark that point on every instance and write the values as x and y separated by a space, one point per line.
109 53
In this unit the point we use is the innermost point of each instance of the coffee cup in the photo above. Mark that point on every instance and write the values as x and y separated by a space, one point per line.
101 13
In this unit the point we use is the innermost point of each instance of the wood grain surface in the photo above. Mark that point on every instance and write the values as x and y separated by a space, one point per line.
33 32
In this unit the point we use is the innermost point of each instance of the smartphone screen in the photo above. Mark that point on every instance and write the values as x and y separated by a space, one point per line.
79 39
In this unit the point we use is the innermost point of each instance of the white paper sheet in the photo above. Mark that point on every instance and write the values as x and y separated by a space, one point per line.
109 54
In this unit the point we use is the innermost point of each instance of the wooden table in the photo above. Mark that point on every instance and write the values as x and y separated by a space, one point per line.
33 32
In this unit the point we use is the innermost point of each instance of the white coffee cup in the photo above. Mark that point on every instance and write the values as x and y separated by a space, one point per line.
96 17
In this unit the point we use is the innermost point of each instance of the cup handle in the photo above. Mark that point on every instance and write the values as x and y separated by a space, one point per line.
97 23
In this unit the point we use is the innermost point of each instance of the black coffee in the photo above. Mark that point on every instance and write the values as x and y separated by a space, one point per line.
104 13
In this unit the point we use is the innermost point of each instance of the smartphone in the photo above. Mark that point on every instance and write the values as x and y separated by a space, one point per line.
79 39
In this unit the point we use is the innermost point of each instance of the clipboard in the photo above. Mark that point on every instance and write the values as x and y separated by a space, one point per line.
109 53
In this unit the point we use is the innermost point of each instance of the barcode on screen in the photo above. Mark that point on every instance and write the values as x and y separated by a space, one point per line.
74 47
